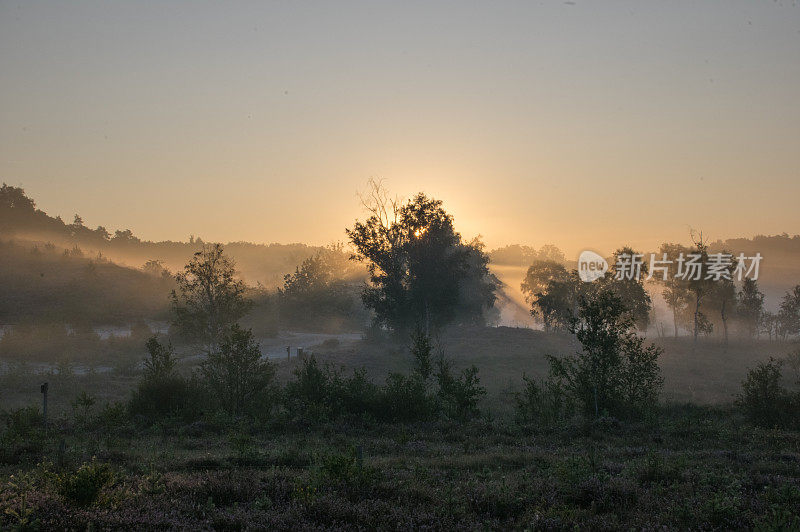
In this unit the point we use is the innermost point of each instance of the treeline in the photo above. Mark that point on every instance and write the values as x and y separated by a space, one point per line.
519 255
258 263
701 304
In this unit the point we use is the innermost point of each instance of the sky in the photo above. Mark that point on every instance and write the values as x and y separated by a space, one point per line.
584 124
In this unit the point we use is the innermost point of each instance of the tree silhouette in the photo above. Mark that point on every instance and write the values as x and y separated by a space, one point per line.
209 300
419 267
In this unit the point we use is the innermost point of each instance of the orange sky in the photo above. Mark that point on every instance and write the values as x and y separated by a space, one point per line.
587 125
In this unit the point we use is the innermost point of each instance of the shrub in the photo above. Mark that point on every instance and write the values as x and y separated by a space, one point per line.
23 434
159 397
358 394
405 398
113 415
322 393
161 391
82 407
346 469
793 359
235 373
23 422
84 485
765 400
310 393
459 396
615 373
421 350
162 359
544 403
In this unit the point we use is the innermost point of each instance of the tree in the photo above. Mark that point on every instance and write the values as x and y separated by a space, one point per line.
418 264
789 313
770 325
722 293
539 275
161 363
558 303
630 289
156 268
514 255
723 298
422 351
551 253
614 372
676 290
235 372
15 198
750 306
209 300
696 269
552 292
477 288
321 293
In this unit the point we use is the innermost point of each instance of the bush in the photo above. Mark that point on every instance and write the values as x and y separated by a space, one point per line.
793 359
161 391
84 485
235 373
459 396
310 394
82 408
23 434
321 393
405 398
154 398
421 350
615 373
545 403
765 401
358 394
342 469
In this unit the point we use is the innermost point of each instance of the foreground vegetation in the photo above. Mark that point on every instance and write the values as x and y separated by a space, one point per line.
687 467
329 448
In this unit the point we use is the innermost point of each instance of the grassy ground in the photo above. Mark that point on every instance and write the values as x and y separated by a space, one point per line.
692 467
699 466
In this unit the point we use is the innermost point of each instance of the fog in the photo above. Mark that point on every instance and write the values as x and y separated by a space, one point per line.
399 266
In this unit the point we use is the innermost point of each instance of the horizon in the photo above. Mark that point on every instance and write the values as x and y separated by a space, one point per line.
568 253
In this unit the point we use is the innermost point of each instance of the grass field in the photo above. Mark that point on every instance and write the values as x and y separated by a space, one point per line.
699 465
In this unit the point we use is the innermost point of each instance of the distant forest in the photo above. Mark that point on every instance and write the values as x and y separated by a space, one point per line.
52 271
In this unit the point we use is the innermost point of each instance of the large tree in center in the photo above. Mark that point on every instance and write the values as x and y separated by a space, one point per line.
422 274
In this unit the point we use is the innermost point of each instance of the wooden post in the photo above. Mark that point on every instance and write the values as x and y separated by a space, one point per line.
300 353
43 389
360 455
288 352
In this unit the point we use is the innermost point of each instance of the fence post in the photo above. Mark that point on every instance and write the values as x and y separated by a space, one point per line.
288 352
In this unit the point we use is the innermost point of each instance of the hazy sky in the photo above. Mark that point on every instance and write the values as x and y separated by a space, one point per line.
585 123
